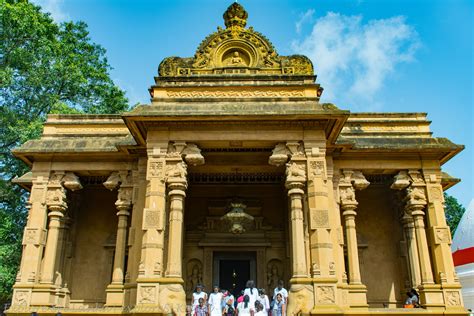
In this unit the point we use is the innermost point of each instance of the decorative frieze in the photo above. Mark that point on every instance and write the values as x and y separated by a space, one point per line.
254 93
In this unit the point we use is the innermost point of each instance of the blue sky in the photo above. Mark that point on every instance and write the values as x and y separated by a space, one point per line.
420 52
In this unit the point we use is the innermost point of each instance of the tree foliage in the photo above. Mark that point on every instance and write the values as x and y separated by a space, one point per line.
45 67
453 211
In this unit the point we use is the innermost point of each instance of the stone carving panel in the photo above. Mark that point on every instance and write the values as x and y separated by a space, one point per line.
156 169
436 194
318 218
147 295
274 273
347 195
194 275
442 235
295 172
325 295
22 298
453 298
317 167
34 236
152 219
176 171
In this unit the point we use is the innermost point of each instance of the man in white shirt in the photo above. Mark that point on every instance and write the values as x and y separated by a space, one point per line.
280 289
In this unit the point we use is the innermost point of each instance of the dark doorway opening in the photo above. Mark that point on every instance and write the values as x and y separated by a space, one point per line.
232 270
233 274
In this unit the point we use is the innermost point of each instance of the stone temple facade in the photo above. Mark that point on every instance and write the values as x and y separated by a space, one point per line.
236 171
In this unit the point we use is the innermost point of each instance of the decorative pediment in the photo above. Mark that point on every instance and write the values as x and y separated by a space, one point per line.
236 50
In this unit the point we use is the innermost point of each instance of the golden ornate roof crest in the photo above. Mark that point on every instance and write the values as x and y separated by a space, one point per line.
236 50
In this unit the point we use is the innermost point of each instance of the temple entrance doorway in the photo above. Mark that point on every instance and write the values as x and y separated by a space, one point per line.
233 269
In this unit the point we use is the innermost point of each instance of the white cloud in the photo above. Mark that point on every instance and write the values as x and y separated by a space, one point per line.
304 18
353 59
55 8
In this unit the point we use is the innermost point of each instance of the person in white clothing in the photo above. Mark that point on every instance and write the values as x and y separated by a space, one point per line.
215 302
243 308
263 299
252 293
198 293
281 290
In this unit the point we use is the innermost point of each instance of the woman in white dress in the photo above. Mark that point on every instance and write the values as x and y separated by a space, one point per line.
215 302
198 293
243 308
252 293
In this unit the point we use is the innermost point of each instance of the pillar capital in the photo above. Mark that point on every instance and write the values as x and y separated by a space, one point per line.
190 152
286 150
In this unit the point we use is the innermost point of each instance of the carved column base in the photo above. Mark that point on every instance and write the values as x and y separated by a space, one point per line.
160 296
453 299
46 295
357 296
431 296
115 295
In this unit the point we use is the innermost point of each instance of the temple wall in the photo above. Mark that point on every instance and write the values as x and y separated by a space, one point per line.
379 234
94 246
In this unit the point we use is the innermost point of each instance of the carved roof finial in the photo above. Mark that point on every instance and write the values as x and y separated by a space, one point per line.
235 16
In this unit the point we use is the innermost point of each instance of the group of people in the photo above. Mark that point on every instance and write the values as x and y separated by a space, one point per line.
251 302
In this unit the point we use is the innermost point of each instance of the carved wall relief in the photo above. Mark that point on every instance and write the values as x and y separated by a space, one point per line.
147 295
274 274
453 298
193 275
325 295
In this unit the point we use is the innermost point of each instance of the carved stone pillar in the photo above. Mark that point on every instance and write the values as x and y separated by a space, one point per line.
296 193
180 154
56 202
415 203
166 170
34 240
176 192
438 229
301 298
351 181
153 225
413 260
402 181
320 230
115 291
34 236
296 185
440 240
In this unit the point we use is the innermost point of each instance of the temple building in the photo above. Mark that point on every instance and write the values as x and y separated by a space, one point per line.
236 171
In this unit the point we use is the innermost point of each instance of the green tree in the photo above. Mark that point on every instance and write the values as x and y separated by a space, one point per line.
45 67
453 211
